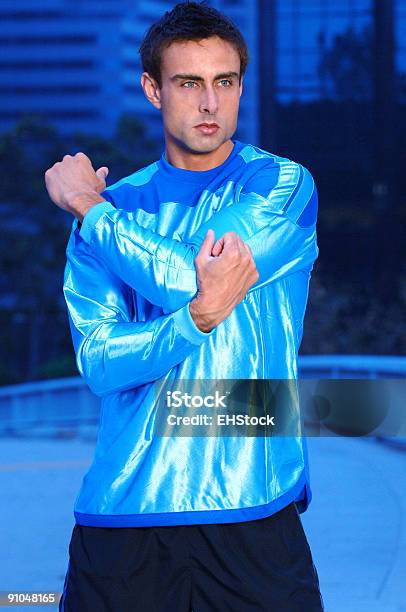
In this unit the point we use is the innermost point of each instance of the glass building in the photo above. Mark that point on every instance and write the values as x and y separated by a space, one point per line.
76 63
309 36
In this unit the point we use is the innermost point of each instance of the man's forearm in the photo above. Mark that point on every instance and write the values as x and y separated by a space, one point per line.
114 352
161 269
123 355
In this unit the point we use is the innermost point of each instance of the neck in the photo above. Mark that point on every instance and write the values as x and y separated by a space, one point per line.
188 160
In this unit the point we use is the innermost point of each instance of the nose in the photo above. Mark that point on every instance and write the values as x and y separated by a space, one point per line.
209 101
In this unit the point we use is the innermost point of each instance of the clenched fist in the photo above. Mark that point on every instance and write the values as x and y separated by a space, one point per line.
74 185
225 272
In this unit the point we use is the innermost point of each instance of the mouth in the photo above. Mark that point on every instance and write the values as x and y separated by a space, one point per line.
208 128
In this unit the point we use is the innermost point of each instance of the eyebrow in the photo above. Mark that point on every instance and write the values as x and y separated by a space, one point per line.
195 77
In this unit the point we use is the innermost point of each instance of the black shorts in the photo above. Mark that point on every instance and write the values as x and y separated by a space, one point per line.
261 565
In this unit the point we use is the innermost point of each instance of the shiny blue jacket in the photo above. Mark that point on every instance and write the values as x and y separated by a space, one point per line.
128 282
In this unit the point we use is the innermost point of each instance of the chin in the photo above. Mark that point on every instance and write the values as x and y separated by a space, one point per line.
208 144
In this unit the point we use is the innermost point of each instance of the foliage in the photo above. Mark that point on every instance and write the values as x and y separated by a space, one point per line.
346 67
351 319
34 235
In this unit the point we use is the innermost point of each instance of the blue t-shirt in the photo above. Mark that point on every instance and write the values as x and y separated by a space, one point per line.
129 278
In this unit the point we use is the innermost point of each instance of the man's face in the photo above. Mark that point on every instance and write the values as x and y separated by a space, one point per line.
200 84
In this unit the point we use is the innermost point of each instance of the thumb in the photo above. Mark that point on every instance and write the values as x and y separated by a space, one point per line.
207 244
218 247
102 173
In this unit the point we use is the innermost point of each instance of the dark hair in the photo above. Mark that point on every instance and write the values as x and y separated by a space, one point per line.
188 21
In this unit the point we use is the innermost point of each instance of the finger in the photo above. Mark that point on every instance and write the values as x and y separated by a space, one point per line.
247 250
230 238
81 155
247 246
240 245
207 244
233 240
102 173
242 294
218 247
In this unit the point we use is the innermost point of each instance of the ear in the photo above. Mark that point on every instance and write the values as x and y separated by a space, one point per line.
151 90
242 78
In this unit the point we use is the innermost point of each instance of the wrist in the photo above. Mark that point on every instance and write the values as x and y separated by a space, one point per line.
80 203
202 321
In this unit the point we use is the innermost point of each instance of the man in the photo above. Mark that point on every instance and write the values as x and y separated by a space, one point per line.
195 267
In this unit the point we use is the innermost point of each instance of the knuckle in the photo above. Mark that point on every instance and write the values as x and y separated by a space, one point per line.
66 157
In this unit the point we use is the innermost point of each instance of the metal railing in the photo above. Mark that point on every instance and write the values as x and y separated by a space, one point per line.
59 406
352 366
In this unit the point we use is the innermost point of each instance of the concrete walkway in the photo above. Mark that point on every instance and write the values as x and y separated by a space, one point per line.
355 523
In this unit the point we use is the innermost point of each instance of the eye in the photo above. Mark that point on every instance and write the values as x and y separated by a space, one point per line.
188 83
226 81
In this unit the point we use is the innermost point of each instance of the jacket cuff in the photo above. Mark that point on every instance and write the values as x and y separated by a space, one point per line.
91 218
188 328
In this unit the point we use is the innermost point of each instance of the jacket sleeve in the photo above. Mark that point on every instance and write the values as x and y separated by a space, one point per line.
276 216
113 352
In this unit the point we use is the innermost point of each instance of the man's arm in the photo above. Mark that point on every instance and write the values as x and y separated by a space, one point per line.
161 269
114 353
279 228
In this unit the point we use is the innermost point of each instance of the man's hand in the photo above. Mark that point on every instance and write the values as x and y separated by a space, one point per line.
74 186
223 280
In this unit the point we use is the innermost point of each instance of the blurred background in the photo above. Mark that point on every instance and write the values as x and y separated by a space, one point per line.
326 87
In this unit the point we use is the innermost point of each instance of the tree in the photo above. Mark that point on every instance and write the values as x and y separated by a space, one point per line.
34 235
346 67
